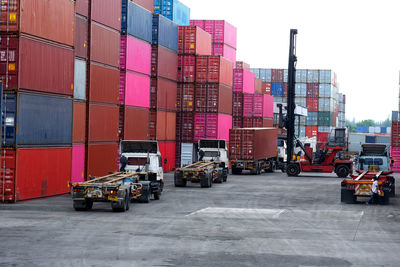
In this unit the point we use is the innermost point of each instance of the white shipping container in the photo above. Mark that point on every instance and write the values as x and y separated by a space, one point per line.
326 104
266 75
377 129
324 129
187 154
355 142
256 72
389 130
312 76
80 79
301 89
300 101
285 76
371 129
326 76
301 76
278 99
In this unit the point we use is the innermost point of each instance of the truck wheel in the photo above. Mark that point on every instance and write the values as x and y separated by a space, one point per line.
236 171
225 178
127 200
89 204
347 196
292 169
156 196
147 197
392 187
385 198
179 182
342 171
205 181
211 180
80 205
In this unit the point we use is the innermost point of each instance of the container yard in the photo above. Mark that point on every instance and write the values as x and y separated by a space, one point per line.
115 103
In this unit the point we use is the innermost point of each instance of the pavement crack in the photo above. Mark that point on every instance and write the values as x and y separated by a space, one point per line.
358 226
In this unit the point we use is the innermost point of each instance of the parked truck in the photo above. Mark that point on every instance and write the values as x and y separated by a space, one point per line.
212 167
118 188
253 149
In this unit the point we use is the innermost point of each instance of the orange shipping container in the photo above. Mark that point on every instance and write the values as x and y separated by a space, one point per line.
105 45
104 84
258 86
136 123
103 123
102 159
79 127
162 126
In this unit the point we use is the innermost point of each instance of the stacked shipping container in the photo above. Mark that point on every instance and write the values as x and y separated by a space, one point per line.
314 89
37 111
223 37
173 10
163 88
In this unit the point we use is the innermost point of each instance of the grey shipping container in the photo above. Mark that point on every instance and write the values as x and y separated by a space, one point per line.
80 79
312 119
256 72
136 21
355 142
325 76
41 120
395 116
187 154
300 101
301 76
312 76
285 76
381 139
266 75
301 89
165 32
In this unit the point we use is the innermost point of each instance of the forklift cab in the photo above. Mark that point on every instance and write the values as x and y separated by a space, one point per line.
337 137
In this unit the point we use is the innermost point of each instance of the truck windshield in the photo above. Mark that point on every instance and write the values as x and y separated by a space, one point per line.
212 143
138 147
373 161
211 154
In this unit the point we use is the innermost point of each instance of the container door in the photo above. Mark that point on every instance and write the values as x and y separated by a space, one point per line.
186 154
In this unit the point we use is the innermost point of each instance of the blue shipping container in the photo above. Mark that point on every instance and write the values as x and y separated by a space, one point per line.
277 89
136 21
359 129
173 10
370 139
41 120
165 32
256 72
383 130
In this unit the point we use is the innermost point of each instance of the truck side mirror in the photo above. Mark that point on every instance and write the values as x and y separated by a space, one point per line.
123 160
165 161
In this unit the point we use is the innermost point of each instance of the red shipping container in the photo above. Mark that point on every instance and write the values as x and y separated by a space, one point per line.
167 150
185 126
266 88
248 105
186 69
285 89
164 63
237 104
277 75
221 32
311 131
32 17
79 124
103 123
30 173
82 7
213 98
312 104
193 40
253 144
136 123
163 94
237 122
102 159
252 122
322 139
258 86
178 147
31 62
81 37
312 90
147 4
7 178
242 65
105 45
268 122
214 69
395 134
212 126
185 97
162 126
107 13
104 84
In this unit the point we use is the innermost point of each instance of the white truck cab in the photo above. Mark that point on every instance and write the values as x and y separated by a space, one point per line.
374 157
213 150
141 156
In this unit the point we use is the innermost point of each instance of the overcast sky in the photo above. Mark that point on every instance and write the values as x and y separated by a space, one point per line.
359 40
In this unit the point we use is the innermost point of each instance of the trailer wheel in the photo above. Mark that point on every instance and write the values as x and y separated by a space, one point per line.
236 171
392 187
179 182
342 171
225 176
127 200
385 198
82 205
156 196
292 169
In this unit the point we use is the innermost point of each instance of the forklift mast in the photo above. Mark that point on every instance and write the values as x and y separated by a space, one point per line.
290 119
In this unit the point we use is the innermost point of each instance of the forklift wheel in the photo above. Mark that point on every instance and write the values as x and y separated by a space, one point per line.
342 171
293 169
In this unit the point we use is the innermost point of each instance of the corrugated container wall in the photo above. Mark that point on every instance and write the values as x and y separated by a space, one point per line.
165 33
173 10
107 13
136 21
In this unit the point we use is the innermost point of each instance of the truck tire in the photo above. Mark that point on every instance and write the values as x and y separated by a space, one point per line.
81 205
342 171
386 197
236 171
225 175
122 207
392 192
347 196
292 169
156 195
127 201
179 182
220 177
205 181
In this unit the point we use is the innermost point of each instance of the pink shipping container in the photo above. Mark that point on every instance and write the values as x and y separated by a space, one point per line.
194 41
186 69
257 106
237 104
248 107
212 126
134 89
243 81
78 163
242 65
135 55
221 32
395 153
224 50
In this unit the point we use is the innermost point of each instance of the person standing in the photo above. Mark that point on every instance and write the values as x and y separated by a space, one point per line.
375 192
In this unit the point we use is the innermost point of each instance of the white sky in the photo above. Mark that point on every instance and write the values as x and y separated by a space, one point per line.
359 40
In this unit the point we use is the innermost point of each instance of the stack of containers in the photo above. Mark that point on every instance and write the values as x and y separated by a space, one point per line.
223 37
163 88
37 98
342 111
251 107
173 10
193 42
395 144
103 87
213 98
